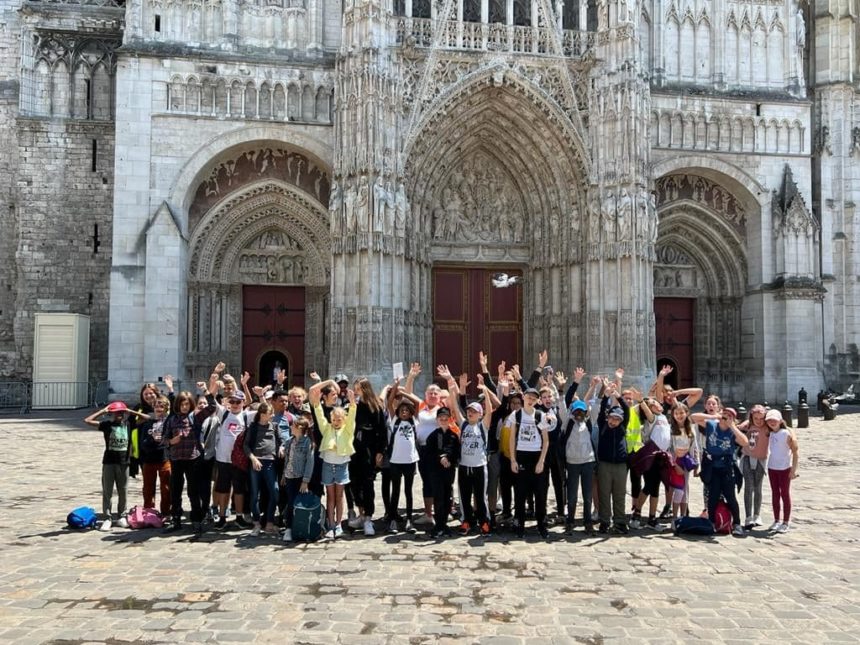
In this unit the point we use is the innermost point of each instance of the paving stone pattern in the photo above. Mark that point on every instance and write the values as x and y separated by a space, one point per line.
58 586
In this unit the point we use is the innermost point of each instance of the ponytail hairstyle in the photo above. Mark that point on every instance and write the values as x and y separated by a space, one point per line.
262 408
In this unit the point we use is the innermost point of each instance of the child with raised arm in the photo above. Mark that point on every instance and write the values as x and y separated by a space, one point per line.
335 449
116 457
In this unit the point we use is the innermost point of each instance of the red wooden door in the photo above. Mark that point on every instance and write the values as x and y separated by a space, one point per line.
273 321
470 315
675 320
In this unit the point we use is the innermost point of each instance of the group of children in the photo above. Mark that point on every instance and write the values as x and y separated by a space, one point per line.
252 452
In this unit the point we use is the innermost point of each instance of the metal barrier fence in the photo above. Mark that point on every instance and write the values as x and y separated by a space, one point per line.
60 395
14 397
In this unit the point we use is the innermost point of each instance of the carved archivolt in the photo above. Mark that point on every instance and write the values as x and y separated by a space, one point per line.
716 198
268 232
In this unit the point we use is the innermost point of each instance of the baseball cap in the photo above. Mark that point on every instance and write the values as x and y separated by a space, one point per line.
477 407
731 412
616 411
532 391
773 415
443 411
117 406
579 406
237 396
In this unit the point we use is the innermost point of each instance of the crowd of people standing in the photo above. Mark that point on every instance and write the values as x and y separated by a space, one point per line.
247 454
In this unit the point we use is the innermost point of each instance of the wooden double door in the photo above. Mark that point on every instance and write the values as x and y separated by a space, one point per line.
471 315
675 323
273 333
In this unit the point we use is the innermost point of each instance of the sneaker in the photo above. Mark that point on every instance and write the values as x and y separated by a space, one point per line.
256 530
738 530
172 527
636 523
241 522
603 528
409 527
775 526
122 522
392 527
423 519
748 522
355 521
209 518
338 531
288 535
221 524
368 527
652 522
568 528
622 528
666 513
589 529
106 525
485 528
465 528
544 533
330 534
437 534
757 520
785 527
198 528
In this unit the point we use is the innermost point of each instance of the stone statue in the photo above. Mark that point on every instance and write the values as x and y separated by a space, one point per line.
653 218
401 206
453 214
799 43
334 205
380 197
349 207
361 204
594 219
388 210
625 215
607 212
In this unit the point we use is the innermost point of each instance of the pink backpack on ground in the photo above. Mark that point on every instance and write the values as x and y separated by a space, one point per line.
144 518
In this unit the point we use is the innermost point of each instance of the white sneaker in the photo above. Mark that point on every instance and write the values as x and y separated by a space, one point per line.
635 524
338 531
775 526
331 534
122 522
106 525
368 527
757 520
749 522
784 528
256 530
392 528
423 520
355 521
738 531
409 527
288 535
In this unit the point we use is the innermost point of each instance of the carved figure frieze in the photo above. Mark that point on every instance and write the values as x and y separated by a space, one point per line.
273 257
267 163
715 197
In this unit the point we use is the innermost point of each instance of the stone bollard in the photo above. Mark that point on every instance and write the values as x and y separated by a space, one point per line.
786 414
803 415
829 411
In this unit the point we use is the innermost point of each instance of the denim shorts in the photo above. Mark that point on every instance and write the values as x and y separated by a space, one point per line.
335 474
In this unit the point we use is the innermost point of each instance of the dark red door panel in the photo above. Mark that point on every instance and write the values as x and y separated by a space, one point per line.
273 322
675 322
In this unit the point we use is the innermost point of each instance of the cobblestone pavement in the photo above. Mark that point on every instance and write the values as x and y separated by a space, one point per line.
141 587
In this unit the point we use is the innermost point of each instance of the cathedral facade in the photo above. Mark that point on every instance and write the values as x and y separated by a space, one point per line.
332 186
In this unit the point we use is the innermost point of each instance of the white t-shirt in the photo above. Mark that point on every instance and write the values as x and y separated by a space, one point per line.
528 439
230 428
402 436
661 433
780 452
426 424
473 446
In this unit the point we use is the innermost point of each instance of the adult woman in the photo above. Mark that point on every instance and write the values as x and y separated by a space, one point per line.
149 393
369 444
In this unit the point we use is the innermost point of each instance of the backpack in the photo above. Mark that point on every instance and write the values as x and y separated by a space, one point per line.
519 419
483 434
694 526
723 519
82 517
238 457
144 518
307 515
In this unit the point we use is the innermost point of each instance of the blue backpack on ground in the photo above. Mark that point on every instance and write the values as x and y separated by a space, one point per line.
307 513
83 517
694 526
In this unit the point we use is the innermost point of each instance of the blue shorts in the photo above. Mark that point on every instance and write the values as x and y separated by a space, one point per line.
335 474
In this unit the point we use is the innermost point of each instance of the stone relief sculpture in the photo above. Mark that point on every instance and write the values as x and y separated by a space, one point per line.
625 215
349 203
273 257
380 199
607 213
362 204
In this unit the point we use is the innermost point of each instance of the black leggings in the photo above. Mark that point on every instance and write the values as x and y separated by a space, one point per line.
442 480
530 483
407 473
362 475
507 482
186 471
473 481
556 469
722 484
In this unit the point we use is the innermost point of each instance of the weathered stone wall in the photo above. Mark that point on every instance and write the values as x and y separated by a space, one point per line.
65 200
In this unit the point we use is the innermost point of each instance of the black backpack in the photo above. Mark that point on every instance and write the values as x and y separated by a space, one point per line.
519 419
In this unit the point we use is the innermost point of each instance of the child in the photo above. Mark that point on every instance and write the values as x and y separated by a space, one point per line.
781 468
754 463
528 445
336 449
685 457
612 459
443 452
402 455
472 473
580 461
261 447
297 451
115 459
657 430
153 456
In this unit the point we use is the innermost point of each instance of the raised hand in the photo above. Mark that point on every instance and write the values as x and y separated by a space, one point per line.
168 381
464 382
201 385
619 374
258 391
246 376
578 373
665 370
596 380
482 360
351 396
281 376
543 357
480 379
515 370
414 369
443 371
315 377
502 369
219 367
560 378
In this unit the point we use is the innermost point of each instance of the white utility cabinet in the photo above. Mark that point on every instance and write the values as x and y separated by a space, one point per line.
61 360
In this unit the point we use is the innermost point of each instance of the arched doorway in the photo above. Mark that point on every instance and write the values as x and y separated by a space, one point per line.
495 193
268 366
700 278
259 263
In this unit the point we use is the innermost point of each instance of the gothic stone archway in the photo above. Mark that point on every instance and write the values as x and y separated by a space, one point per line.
258 219
700 277
493 181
